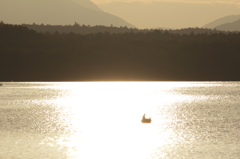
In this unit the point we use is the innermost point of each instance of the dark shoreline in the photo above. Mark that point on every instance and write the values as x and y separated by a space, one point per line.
142 56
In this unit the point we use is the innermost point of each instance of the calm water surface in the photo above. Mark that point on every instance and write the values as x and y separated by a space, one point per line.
91 120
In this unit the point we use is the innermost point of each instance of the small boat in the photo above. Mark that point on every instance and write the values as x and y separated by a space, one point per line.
146 120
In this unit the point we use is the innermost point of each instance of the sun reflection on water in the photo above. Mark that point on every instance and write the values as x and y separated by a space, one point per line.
105 118
88 120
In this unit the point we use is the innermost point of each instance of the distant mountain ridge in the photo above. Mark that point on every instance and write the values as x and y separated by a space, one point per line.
56 12
234 26
221 21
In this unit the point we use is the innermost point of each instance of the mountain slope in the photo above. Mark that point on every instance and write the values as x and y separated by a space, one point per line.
87 4
55 12
234 26
223 20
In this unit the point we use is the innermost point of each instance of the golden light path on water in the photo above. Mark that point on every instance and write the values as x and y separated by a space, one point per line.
104 118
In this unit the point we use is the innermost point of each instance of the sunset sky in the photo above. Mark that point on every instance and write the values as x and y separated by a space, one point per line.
237 2
170 13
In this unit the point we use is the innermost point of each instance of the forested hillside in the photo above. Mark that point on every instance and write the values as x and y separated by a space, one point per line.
26 55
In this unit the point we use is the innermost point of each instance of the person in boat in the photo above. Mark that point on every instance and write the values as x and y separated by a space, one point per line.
143 117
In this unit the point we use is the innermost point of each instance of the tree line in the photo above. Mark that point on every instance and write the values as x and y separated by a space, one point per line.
152 55
83 29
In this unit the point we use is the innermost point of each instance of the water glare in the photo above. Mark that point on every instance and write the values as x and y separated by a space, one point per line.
106 118
88 120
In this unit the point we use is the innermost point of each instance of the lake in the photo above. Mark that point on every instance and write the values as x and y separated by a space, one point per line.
90 120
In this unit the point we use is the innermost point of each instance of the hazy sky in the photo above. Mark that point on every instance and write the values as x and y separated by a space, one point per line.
171 13
237 2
